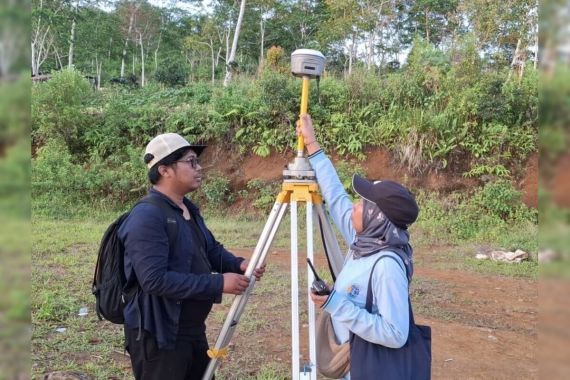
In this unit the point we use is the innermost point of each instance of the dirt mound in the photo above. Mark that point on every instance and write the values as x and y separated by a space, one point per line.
378 164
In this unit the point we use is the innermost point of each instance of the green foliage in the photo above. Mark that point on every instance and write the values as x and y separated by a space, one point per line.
217 191
494 214
345 171
263 193
62 187
502 200
57 109
172 73
276 59
441 108
14 110
15 181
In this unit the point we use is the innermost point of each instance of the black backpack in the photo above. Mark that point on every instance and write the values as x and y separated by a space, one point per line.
110 286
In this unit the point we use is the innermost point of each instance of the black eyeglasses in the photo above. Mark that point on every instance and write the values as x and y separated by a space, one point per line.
193 161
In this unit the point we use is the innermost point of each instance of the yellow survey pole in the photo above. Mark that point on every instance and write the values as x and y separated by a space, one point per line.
304 110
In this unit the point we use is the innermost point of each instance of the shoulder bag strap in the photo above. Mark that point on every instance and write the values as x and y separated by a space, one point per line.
369 290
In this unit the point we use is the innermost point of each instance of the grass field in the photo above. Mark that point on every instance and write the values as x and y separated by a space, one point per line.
64 253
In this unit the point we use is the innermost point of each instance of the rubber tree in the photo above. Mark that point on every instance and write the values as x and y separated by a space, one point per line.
231 64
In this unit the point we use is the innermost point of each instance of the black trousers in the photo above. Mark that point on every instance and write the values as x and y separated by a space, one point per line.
188 361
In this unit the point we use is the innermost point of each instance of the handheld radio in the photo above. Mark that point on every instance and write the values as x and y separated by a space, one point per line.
318 287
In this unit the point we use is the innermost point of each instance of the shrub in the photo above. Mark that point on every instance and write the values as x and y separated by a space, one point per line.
457 218
216 189
172 73
501 199
263 192
57 109
15 181
345 171
276 59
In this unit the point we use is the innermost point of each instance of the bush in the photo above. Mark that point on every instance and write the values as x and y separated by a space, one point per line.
502 200
217 191
56 180
263 193
58 109
15 181
479 218
438 109
172 73
61 187
345 171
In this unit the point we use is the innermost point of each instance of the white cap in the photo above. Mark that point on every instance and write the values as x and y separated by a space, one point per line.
163 145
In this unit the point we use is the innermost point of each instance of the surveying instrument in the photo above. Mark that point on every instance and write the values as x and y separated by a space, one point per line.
299 186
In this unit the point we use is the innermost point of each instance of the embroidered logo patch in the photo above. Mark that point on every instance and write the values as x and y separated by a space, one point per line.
353 290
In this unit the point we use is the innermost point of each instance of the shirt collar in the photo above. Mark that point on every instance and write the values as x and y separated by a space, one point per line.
191 206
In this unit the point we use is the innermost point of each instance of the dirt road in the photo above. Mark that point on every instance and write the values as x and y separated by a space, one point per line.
484 326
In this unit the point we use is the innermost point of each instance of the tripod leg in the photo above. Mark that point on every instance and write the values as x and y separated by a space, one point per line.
332 249
238 305
311 305
294 293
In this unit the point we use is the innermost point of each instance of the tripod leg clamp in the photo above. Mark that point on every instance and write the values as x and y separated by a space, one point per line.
215 353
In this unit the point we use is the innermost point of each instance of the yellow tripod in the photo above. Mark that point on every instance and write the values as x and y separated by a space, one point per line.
299 186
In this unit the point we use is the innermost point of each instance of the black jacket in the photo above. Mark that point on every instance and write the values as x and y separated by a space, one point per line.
165 273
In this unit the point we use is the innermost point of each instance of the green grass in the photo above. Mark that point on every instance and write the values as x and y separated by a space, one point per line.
525 269
463 258
64 253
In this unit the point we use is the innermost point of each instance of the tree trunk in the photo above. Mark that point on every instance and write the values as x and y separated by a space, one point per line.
131 20
427 24
218 56
351 53
262 25
158 45
227 45
156 60
3 63
230 64
71 42
514 61
98 67
40 44
371 39
34 68
142 59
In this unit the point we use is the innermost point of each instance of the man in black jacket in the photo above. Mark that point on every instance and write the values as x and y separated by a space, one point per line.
180 267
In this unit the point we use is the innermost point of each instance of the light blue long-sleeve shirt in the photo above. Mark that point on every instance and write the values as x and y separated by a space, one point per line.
388 324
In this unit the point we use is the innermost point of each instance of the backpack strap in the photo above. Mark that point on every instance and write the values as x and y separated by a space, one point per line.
171 227
369 295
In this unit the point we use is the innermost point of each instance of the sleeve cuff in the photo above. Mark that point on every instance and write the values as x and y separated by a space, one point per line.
220 287
238 263
315 157
333 302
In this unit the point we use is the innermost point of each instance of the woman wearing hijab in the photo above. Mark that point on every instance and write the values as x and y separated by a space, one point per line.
374 226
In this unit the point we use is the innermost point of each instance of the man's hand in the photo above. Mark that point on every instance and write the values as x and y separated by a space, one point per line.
258 273
235 283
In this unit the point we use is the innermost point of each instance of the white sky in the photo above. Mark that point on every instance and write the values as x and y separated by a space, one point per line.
206 4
